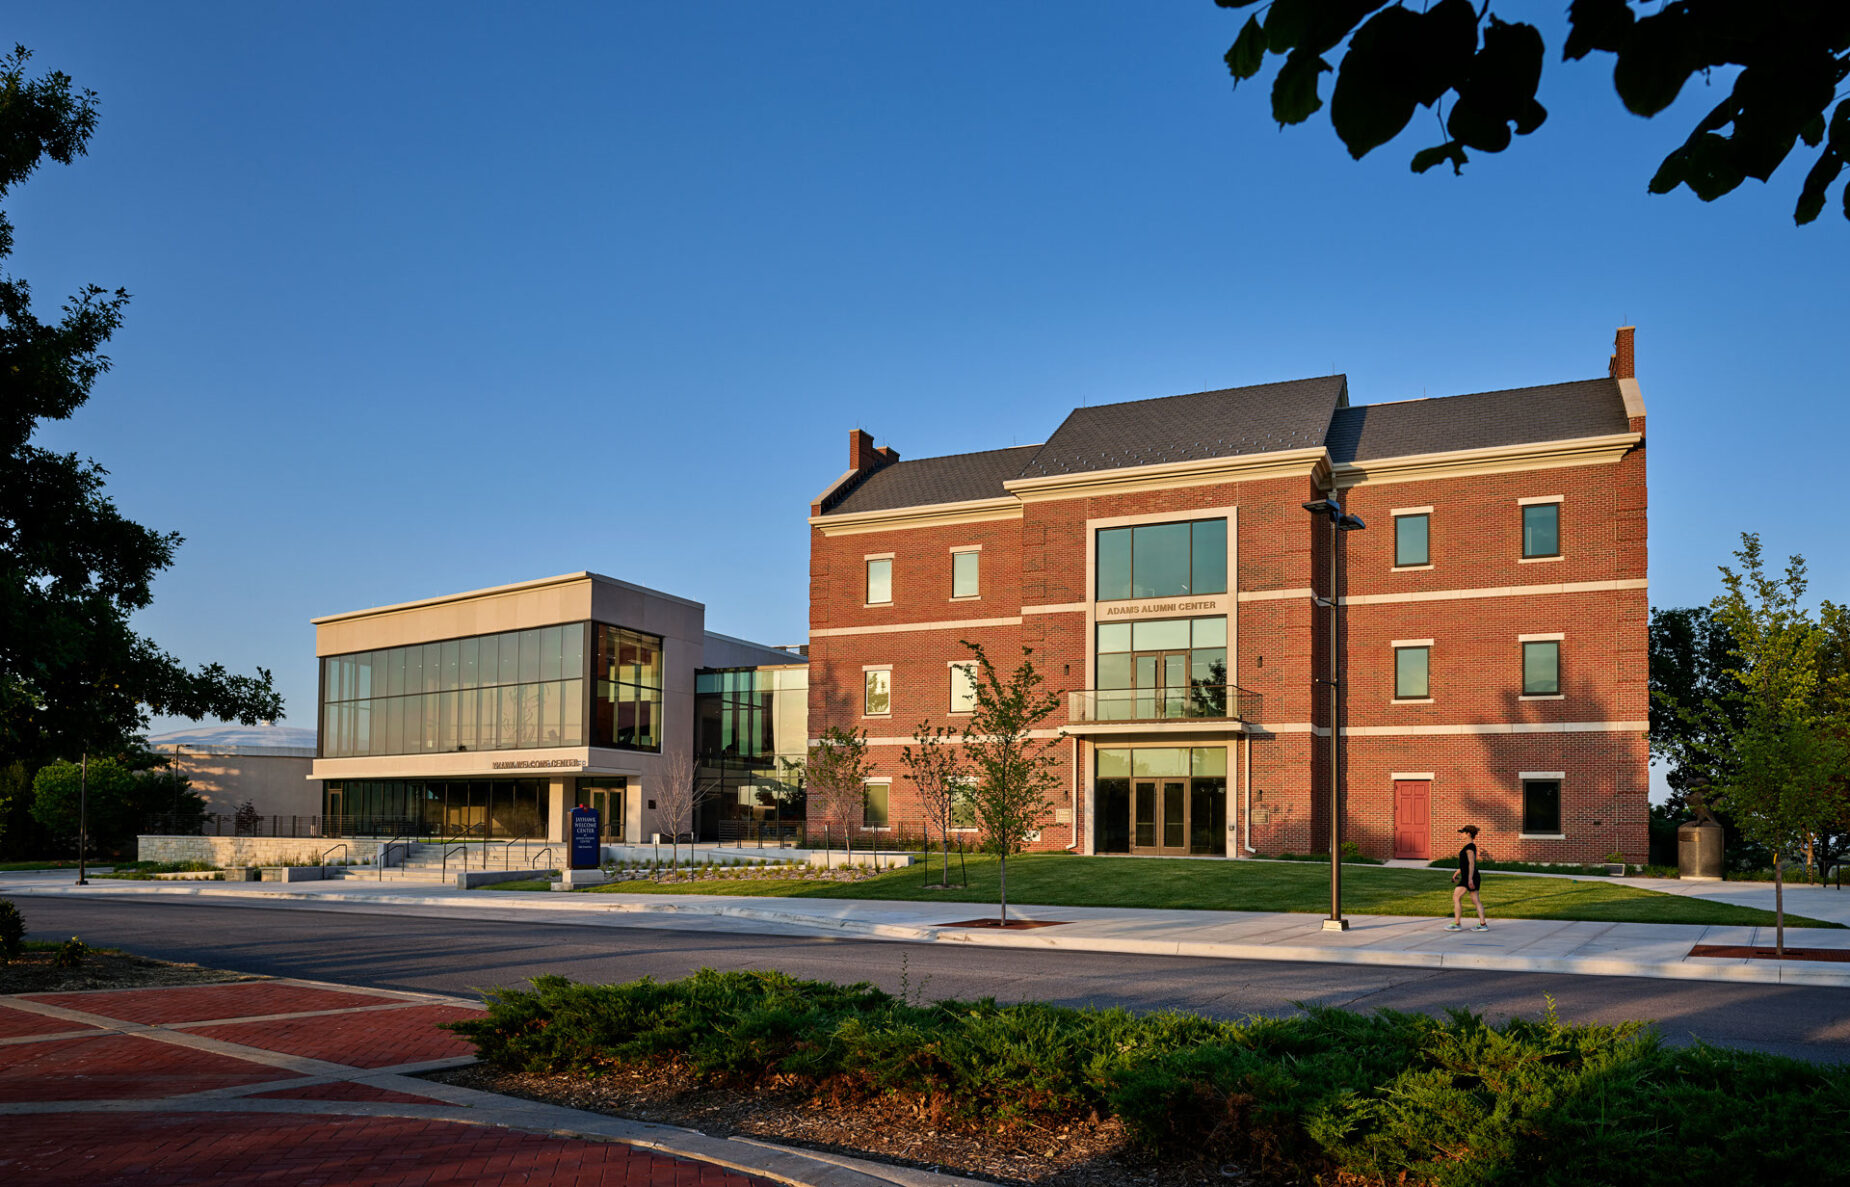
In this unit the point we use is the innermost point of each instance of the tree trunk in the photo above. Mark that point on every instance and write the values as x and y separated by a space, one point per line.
1005 890
1779 906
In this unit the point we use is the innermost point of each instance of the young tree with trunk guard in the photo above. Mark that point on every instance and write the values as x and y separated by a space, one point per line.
837 771
73 675
1013 771
936 768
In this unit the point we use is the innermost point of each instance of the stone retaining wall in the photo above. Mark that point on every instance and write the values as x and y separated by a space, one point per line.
255 851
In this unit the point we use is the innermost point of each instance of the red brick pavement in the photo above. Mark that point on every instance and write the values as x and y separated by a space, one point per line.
158 1149
204 1003
16 1022
117 1067
148 1147
345 1090
376 1038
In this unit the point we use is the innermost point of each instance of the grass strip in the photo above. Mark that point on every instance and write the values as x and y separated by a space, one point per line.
1049 879
1329 1094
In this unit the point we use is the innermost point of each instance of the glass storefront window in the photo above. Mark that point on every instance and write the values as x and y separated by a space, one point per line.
1161 799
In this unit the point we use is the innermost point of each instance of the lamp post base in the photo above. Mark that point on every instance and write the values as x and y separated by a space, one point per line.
1335 925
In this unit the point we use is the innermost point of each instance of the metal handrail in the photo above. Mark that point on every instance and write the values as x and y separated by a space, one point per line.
448 853
507 852
385 851
533 861
324 856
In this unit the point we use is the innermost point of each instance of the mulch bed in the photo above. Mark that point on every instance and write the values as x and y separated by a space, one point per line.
1086 1153
1742 952
103 968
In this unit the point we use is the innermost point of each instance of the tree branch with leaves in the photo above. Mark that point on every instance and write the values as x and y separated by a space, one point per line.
937 770
1479 75
837 771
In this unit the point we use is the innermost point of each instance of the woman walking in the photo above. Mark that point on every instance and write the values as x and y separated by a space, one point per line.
1466 879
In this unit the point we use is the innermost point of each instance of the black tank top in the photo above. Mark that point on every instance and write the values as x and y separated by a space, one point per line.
1468 872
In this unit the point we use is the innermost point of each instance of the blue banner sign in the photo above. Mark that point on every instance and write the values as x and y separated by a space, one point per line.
585 847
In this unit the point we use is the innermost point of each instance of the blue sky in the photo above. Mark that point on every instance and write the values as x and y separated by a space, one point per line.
434 297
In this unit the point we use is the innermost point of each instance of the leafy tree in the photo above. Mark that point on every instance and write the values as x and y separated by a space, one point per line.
73 675
1694 717
1479 74
936 768
122 797
1786 766
1014 771
837 771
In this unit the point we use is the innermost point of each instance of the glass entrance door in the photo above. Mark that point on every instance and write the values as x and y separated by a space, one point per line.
1160 823
608 803
1161 680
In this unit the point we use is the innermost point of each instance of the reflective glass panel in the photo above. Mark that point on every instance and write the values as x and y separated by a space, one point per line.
879 582
1541 806
1210 547
964 574
1114 636
552 652
1410 672
1541 669
1114 564
879 691
963 689
1170 634
1161 560
1410 540
874 809
1541 529
1114 763
1161 760
1114 671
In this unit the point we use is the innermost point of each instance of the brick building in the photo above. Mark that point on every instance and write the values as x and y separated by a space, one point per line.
1158 559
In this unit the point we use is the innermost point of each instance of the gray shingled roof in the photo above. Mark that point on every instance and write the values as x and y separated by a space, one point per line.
1228 423
957 478
1553 412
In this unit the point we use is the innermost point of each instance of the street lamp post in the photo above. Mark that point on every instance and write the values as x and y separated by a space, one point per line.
1339 523
83 816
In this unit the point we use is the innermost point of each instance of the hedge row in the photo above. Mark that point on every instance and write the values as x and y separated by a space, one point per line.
1385 1097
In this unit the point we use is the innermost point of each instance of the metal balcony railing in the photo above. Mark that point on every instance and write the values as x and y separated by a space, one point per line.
1200 702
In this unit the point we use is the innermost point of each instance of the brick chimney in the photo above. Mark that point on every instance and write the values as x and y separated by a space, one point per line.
861 453
888 454
1621 366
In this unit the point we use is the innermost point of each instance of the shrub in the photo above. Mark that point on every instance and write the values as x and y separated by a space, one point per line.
70 954
12 930
1329 1095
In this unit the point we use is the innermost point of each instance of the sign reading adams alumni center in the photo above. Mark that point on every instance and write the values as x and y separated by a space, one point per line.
1169 606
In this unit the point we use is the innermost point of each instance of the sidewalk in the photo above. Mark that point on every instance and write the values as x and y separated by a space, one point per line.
1514 945
279 1080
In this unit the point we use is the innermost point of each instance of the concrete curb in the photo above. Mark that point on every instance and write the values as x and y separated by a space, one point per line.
576 909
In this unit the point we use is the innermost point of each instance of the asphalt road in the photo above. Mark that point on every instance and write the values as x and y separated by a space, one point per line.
463 956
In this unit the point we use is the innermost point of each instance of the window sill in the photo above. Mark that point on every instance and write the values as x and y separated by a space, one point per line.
874 605
1543 696
1542 836
959 712
887 714
1411 568
1536 560
1411 701
968 598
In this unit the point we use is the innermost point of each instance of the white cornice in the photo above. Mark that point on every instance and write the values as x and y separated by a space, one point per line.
929 515
822 498
1497 459
1634 398
1201 472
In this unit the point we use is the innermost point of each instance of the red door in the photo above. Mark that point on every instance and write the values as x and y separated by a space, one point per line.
1413 818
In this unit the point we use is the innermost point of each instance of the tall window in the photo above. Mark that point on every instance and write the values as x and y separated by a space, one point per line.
1541 807
963 688
879 692
628 671
1541 669
876 802
964 565
1410 540
963 806
1541 529
1162 559
879 581
1412 673
518 690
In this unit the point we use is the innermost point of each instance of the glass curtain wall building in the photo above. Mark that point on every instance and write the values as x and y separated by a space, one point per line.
751 739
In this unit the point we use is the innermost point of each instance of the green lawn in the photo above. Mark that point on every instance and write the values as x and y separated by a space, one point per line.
9 867
1070 881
